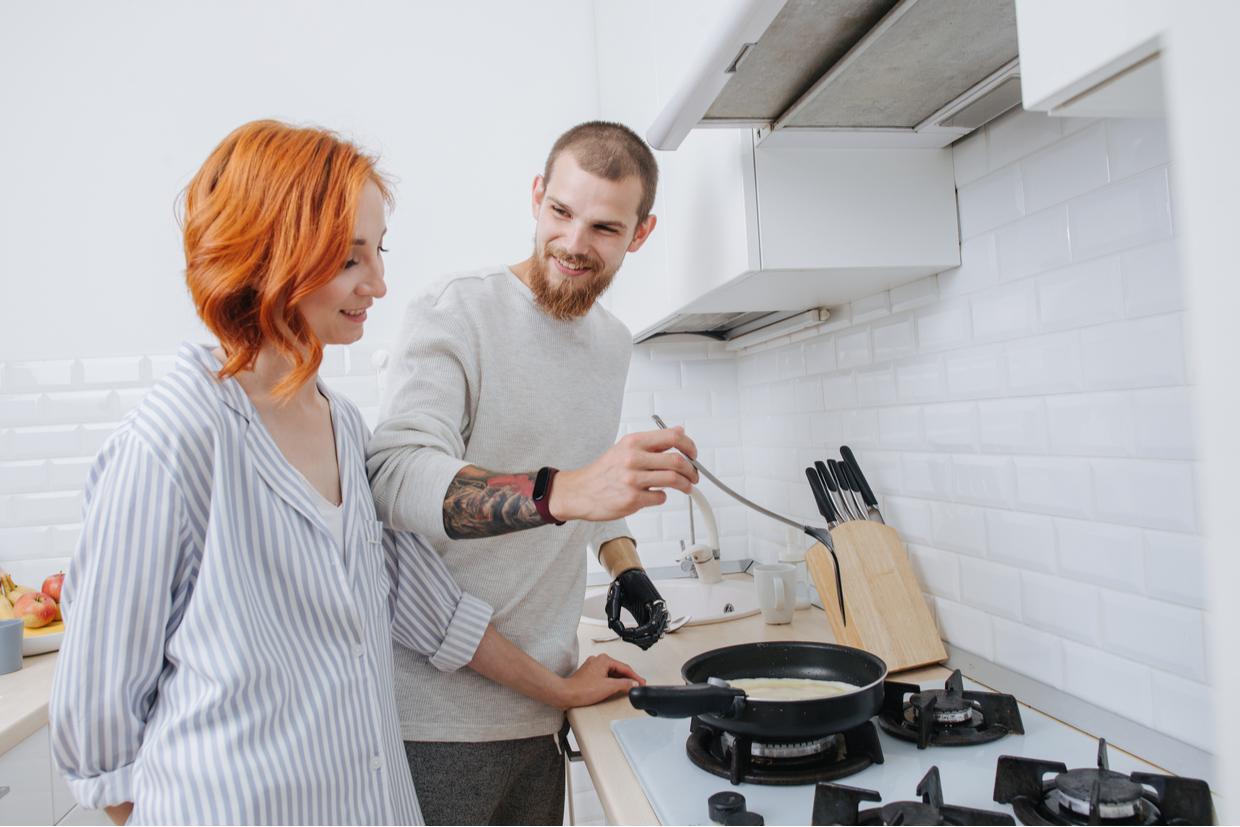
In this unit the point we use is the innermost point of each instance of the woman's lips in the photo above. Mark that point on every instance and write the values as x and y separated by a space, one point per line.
359 318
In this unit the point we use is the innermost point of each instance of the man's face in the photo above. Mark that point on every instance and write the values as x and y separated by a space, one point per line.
585 226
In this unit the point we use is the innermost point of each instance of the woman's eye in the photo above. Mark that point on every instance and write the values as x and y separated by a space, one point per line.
350 263
383 249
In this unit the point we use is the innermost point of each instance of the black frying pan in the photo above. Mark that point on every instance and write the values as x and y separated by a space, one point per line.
729 708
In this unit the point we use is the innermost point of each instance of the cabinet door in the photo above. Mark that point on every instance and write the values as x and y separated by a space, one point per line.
24 773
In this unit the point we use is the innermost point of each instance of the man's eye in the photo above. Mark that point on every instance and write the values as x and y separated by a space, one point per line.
559 211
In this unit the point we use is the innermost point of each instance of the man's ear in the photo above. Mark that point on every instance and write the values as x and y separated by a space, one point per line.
644 230
537 191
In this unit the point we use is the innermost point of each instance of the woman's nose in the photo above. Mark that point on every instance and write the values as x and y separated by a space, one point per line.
374 286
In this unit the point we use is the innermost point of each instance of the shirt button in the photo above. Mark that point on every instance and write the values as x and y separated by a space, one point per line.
376 763
358 650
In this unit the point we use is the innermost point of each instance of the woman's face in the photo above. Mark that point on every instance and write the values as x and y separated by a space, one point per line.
336 312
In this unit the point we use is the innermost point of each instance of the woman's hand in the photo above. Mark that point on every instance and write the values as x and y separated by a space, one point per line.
119 813
598 678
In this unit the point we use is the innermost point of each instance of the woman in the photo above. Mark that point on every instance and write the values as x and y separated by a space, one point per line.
232 601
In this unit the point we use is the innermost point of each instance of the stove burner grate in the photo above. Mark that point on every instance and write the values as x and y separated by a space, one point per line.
737 757
1098 796
839 804
950 716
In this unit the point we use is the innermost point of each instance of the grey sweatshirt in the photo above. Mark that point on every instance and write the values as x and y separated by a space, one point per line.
484 377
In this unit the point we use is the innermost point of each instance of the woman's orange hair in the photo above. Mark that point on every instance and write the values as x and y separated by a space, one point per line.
268 220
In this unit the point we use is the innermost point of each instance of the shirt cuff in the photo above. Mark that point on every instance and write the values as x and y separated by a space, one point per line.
104 790
465 632
439 470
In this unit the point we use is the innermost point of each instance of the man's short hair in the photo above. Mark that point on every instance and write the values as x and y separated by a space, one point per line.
612 151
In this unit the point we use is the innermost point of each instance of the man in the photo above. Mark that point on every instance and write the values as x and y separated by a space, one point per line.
503 376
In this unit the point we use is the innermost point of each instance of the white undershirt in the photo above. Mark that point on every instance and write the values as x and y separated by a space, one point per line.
333 515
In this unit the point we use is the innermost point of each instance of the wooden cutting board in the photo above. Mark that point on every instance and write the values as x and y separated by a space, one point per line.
887 613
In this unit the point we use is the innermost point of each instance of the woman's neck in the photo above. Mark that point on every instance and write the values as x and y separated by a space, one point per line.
270 368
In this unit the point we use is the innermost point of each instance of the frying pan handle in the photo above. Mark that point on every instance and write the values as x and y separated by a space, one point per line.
685 701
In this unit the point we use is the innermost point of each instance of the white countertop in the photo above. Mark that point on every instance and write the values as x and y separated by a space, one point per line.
23 699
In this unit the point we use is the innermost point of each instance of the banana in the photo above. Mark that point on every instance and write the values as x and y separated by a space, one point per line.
6 610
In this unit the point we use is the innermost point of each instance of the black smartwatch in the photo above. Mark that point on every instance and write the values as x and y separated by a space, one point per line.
542 493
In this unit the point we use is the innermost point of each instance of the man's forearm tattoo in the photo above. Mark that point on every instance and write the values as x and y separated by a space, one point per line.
482 503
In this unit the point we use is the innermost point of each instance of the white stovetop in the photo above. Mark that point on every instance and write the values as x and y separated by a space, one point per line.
678 790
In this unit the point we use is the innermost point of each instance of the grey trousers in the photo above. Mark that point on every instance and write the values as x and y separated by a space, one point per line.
489 782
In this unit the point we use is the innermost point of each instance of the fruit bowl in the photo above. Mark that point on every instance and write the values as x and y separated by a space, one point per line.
44 639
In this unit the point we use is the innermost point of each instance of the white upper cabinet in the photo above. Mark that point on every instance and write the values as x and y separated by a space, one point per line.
1100 58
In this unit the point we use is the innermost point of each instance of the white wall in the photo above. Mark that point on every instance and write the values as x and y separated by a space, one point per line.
109 108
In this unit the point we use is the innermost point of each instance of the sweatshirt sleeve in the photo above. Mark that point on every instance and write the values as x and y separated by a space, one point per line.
419 446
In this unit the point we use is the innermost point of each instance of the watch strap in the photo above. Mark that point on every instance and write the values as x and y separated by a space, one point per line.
542 493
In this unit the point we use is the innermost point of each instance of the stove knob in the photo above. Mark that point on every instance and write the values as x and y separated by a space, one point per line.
724 804
745 817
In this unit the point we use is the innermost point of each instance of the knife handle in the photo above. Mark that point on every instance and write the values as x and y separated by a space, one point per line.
820 495
866 493
827 479
838 473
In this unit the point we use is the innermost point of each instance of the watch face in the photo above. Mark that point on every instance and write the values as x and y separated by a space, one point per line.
540 483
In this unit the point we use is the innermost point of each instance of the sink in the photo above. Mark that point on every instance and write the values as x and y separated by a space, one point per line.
707 603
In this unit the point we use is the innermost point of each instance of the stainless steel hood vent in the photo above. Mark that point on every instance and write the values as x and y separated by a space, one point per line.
855 73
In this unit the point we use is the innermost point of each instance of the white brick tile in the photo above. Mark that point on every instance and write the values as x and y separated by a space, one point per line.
646 525
706 375
1135 145
91 437
1091 424
924 291
129 398
893 338
1164 423
807 394
660 553
728 402
28 377
983 480
24 543
959 527
1183 709
82 406
1053 486
852 349
1153 494
991 587
969 157
1019 133
882 470
1117 217
910 517
24 476
938 572
860 427
37 443
751 368
674 525
791 361
1159 634
635 405
24 409
676 406
900 427
1026 540
920 379
965 628
820 355
944 325
1044 364
1102 553
1070 168
1073 125
1065 607
977 372
871 307
676 351
839 390
336 362
1152 281
362 390
648 375
44 508
951 426
876 386
979 268
1013 426
1028 651
1080 295
826 428
159 366
1113 683
926 475
69 474
124 370
1004 312
990 202
1175 568
1034 244
839 319
730 461
715 431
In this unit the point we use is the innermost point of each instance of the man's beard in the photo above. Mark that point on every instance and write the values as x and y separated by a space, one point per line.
573 297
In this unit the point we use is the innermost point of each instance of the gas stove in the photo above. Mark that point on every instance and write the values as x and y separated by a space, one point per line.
678 790
950 717
739 758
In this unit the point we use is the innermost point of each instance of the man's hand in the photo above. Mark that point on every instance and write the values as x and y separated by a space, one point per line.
633 590
626 478
119 813
598 678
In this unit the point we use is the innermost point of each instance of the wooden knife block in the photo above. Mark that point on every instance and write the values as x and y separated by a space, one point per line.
887 613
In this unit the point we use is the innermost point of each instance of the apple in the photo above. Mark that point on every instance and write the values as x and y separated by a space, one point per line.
35 609
51 586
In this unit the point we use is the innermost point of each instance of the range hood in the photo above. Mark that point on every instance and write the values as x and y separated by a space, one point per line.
851 73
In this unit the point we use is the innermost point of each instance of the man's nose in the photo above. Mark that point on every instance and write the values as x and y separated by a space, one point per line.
576 240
